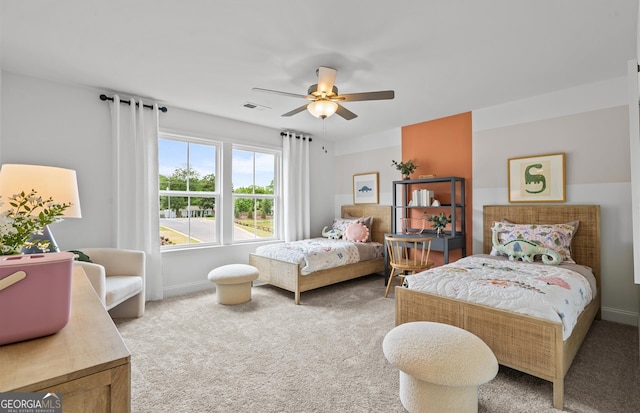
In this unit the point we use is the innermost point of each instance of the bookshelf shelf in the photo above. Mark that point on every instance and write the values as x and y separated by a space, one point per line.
455 237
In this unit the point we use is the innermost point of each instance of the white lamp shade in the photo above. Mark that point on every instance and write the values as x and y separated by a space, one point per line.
322 108
59 184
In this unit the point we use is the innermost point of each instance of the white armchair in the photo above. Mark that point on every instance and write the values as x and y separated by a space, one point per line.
118 276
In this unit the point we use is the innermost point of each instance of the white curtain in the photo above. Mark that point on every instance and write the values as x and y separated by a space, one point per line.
136 203
296 191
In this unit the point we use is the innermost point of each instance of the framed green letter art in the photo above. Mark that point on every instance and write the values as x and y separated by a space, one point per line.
538 178
365 188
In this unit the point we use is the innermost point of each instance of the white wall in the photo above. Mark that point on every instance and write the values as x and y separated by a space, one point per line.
64 125
363 154
54 124
68 126
590 124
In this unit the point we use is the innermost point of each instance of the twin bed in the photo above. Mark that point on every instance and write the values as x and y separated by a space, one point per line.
288 275
530 344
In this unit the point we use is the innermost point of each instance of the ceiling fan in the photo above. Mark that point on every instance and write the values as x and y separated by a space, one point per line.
325 99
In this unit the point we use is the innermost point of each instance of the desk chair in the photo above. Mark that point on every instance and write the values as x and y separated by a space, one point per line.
407 255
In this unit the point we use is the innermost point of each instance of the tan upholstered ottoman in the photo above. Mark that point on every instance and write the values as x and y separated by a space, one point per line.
441 366
233 282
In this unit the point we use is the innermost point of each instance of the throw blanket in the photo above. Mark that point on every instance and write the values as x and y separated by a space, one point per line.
313 254
545 291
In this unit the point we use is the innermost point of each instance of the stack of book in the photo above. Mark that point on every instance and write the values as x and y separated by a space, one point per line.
421 197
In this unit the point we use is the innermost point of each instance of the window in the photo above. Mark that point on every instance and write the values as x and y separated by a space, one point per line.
192 189
254 200
188 194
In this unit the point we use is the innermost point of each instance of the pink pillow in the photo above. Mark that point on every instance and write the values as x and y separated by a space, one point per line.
356 232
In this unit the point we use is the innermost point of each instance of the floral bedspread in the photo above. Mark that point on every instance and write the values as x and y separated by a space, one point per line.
313 254
545 291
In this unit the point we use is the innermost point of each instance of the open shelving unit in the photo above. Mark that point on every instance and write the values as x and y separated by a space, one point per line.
453 239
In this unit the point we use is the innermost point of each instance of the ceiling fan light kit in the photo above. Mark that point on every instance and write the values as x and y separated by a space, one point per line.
322 108
324 96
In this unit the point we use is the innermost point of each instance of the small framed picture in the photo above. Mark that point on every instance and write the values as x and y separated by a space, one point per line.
365 188
539 178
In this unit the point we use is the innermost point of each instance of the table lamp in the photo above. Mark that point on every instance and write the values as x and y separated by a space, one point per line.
59 184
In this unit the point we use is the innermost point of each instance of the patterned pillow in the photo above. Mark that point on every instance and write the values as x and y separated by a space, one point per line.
342 223
356 232
553 236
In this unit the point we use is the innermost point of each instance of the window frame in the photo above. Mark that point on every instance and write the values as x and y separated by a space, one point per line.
223 194
216 195
277 165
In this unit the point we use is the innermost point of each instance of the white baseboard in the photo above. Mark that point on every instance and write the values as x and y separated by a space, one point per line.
182 289
620 316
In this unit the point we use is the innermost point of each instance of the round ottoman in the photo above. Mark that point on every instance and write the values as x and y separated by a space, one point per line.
233 282
441 366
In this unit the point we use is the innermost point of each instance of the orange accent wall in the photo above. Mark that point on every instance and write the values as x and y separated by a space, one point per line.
443 147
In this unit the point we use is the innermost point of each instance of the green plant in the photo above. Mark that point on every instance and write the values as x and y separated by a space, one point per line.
439 222
28 216
405 168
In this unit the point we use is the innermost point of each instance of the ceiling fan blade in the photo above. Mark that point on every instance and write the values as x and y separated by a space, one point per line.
295 95
296 110
326 79
345 113
354 97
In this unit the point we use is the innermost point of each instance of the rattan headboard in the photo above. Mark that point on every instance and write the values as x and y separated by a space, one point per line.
381 218
585 247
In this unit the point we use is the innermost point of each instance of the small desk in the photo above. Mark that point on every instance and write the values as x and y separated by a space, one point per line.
86 361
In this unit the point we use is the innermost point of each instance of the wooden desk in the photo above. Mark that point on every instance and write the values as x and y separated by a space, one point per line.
86 361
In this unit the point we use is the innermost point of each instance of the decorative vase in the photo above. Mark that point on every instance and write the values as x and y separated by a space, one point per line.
413 226
439 231
406 176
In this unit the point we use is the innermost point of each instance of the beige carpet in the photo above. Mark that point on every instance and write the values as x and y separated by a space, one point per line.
190 354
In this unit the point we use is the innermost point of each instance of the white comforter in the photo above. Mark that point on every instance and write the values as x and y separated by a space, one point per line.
545 291
321 253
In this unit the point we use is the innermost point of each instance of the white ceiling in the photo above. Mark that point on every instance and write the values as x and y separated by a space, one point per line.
442 57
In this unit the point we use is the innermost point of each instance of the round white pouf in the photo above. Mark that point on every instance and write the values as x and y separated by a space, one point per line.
441 366
233 282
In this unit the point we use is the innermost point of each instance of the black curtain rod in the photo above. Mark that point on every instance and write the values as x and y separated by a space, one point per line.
128 102
297 136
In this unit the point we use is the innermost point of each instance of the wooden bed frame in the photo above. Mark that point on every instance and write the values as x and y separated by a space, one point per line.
287 275
528 344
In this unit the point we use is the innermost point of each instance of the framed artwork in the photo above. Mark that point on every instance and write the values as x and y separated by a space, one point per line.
365 188
538 178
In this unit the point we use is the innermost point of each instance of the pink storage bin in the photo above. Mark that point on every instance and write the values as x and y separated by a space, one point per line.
35 295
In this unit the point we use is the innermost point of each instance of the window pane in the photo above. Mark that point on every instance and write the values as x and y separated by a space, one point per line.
253 172
185 220
242 171
172 164
202 166
265 171
253 218
202 223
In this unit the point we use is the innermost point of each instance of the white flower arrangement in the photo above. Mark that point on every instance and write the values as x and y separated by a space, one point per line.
27 217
